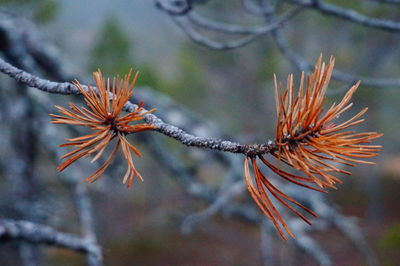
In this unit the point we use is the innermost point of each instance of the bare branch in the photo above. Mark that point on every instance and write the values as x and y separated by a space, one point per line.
395 2
178 172
346 225
352 231
254 8
184 118
174 7
222 200
42 234
217 200
205 41
350 15
239 29
274 27
301 63
162 127
308 244
84 208
267 243
254 32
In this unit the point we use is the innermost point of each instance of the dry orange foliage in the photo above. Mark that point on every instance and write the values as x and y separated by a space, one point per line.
310 142
307 139
103 116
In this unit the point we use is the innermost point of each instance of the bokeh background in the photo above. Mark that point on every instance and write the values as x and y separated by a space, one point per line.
229 91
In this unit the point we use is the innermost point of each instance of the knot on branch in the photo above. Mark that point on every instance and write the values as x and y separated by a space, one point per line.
174 7
252 150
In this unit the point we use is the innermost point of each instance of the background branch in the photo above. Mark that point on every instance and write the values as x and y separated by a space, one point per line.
224 198
41 234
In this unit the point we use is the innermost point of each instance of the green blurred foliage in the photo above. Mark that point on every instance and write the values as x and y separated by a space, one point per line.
270 63
369 8
391 239
112 50
345 3
47 11
191 79
43 11
390 245
17 2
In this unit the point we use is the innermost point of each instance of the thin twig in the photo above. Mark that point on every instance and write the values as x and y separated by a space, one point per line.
350 15
199 38
302 64
239 29
222 200
285 49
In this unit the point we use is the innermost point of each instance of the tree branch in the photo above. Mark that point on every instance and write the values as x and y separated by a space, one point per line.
162 127
239 29
254 33
42 234
350 15
275 26
302 64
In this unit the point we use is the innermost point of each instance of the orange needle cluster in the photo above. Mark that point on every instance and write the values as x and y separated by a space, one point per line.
310 142
103 116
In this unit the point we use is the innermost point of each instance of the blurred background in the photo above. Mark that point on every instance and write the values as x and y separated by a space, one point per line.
207 66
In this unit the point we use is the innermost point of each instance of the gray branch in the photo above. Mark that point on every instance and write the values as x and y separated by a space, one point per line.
350 15
253 33
307 243
223 199
84 208
87 244
302 64
239 29
162 127
41 234
184 22
222 202
395 2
